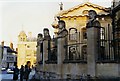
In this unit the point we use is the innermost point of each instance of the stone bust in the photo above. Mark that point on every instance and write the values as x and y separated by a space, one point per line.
46 34
92 19
62 32
39 38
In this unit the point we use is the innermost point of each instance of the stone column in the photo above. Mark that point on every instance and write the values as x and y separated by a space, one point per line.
45 47
39 52
61 51
38 59
39 56
0 58
45 56
93 30
92 50
61 54
45 51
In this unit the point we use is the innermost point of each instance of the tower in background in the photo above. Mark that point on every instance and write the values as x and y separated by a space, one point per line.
22 37
26 49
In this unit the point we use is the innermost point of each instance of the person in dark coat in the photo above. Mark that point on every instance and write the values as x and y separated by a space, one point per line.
16 73
21 72
27 71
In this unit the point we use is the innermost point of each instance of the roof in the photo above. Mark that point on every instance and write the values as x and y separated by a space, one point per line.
9 49
63 12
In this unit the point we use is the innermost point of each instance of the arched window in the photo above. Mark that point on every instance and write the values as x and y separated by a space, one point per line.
28 46
102 33
84 33
72 34
21 39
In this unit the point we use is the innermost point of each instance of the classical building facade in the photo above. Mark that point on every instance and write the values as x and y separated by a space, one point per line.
76 19
82 47
26 49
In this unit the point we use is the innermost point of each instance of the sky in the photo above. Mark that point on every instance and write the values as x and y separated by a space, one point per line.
32 16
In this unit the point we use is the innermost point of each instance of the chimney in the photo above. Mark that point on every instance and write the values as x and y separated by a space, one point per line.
11 45
16 49
2 43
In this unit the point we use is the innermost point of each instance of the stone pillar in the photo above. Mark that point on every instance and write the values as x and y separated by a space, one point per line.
45 47
45 51
61 51
1 54
93 28
39 52
38 59
39 66
61 54
0 58
92 50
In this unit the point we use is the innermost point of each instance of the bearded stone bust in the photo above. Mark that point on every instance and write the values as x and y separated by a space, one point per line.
62 32
92 20
39 38
46 34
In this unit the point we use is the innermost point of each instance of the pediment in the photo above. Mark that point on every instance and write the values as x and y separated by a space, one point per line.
82 10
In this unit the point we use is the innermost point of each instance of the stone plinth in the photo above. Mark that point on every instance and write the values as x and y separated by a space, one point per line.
38 57
92 49
61 55
0 58
45 53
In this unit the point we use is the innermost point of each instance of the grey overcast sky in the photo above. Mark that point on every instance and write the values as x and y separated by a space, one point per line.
34 15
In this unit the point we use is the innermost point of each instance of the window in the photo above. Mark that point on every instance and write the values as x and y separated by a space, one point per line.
28 46
84 33
28 55
69 18
23 39
15 58
72 34
102 33
74 18
10 59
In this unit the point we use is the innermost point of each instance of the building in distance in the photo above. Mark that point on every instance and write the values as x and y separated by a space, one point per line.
26 49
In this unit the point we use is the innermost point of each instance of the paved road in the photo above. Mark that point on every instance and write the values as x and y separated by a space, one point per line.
8 77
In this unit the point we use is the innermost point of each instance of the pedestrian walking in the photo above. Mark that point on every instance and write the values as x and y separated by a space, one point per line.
27 71
21 72
16 73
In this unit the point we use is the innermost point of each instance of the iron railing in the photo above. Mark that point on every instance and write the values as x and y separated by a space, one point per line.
105 45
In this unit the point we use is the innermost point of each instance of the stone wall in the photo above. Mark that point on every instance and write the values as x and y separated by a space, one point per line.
70 69
108 70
